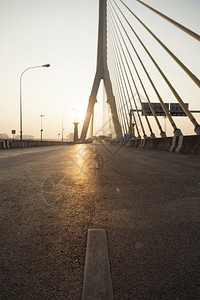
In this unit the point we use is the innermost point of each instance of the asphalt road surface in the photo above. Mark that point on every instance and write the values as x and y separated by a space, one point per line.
148 201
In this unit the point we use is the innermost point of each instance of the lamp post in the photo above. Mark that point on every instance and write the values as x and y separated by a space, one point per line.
47 65
41 126
62 119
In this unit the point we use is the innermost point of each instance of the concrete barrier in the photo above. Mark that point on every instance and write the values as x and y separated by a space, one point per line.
164 144
151 143
182 144
189 145
23 144
137 143
6 144
179 144
127 143
31 143
1 145
15 144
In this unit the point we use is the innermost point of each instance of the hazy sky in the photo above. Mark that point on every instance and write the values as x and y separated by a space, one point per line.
63 33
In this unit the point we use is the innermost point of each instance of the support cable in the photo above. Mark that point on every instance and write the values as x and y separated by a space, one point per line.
121 98
151 81
119 109
124 81
143 109
122 111
189 73
122 92
176 130
120 59
150 104
118 102
180 26
182 104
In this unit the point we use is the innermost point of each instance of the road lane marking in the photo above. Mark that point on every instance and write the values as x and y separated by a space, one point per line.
97 283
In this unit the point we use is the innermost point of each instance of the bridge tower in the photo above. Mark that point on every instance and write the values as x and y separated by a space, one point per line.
102 73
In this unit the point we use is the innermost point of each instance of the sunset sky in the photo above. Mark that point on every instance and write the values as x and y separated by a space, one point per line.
63 33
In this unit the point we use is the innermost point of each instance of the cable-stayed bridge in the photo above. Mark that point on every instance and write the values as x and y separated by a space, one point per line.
143 76
99 221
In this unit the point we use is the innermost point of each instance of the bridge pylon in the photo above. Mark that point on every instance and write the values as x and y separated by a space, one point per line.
102 73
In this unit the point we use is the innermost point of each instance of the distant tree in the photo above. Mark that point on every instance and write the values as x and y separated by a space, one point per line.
4 136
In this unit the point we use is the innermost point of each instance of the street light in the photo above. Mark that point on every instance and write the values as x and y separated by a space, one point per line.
62 119
41 126
46 66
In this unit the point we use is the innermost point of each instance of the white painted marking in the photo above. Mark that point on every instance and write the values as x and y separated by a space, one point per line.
141 143
180 143
144 140
8 144
4 144
97 284
173 144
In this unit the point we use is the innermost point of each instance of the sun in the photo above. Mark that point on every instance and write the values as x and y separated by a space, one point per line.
79 114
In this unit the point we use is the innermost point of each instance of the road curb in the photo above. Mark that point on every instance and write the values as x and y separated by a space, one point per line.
97 283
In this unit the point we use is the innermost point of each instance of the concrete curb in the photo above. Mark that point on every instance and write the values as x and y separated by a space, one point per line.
97 284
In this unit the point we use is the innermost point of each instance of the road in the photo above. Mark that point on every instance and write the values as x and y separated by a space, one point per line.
148 201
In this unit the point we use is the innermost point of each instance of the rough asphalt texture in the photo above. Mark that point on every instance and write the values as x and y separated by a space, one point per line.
148 201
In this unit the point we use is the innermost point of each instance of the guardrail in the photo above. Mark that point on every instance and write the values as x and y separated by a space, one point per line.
181 144
10 144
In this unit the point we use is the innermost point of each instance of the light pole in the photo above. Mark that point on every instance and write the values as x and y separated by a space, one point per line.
41 126
62 119
47 65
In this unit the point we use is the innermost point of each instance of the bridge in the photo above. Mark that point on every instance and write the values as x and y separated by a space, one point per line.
130 79
114 215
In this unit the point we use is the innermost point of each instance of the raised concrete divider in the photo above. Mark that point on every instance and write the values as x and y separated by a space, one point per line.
4 144
1 145
136 143
156 144
151 144
164 144
15 144
97 282
127 143
7 144
179 144
189 145
31 143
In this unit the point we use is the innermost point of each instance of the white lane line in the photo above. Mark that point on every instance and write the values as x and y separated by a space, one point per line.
97 283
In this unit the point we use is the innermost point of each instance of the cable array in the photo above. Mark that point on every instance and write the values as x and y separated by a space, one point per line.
130 64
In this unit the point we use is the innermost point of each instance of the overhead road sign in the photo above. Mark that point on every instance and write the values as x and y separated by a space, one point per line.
157 107
174 109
